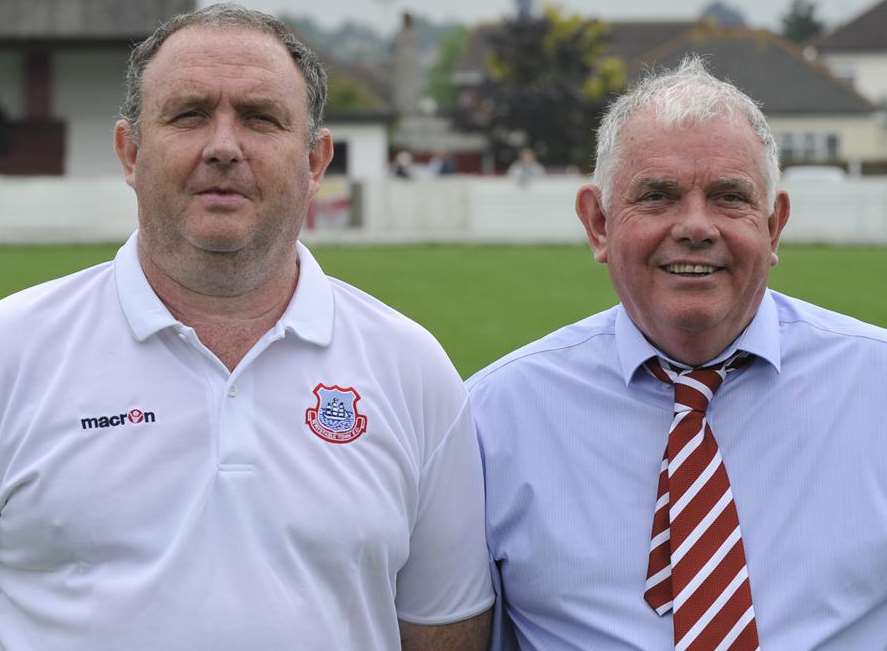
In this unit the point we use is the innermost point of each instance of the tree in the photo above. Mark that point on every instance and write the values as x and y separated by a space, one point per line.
723 14
440 78
800 24
547 81
345 93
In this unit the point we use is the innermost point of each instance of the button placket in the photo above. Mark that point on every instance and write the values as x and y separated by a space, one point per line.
237 424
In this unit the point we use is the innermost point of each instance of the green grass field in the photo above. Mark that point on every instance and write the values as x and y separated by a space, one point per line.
483 301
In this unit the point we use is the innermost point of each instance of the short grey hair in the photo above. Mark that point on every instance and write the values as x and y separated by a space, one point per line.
684 95
227 16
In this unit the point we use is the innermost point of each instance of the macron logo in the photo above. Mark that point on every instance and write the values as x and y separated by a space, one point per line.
133 416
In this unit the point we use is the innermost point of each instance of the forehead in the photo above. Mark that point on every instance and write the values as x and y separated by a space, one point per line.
719 146
222 58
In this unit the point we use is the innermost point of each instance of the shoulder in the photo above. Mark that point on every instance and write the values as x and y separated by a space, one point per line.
805 319
49 305
589 337
368 316
399 351
35 323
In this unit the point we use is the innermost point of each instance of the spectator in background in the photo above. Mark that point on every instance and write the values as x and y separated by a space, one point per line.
403 165
526 167
442 164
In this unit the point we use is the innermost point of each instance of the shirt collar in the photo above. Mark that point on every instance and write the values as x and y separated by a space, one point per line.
760 338
309 314
144 311
311 311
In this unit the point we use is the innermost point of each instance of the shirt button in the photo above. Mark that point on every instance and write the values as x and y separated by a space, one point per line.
232 391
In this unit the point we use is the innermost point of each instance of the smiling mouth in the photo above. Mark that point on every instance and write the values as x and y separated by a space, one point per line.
691 270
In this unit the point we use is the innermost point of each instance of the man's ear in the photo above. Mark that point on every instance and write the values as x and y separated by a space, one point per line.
777 221
589 208
127 149
319 158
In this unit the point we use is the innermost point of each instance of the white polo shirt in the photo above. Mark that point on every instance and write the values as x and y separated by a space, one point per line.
151 500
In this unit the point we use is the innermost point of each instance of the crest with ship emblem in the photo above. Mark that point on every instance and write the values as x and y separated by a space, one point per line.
334 417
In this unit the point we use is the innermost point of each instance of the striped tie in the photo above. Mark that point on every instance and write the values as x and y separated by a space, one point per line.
697 561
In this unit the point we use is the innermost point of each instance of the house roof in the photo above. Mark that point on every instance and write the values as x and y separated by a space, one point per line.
867 32
67 20
766 67
631 39
625 39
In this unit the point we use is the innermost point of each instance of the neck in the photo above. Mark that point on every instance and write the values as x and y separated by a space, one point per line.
229 325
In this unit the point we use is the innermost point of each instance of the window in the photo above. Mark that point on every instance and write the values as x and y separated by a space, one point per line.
808 146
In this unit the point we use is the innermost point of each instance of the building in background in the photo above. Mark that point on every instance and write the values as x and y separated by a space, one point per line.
61 80
62 64
816 117
857 52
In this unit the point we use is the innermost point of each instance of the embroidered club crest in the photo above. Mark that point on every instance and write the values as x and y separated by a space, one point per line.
334 417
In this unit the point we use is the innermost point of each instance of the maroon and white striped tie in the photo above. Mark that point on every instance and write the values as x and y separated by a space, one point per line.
697 561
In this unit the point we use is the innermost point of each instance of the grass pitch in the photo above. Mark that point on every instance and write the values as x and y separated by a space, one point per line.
483 301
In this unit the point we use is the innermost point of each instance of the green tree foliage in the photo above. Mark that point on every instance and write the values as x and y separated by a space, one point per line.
440 79
800 24
548 81
345 93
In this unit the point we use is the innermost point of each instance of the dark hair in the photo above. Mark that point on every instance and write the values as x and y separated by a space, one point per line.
227 15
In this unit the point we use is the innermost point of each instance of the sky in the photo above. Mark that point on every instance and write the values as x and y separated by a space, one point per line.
384 14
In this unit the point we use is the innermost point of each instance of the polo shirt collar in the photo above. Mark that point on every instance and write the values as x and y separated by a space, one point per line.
311 311
760 338
144 311
308 316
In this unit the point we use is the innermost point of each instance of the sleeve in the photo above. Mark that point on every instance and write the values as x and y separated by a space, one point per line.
446 578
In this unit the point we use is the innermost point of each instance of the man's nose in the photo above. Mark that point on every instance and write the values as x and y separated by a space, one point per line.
694 225
223 146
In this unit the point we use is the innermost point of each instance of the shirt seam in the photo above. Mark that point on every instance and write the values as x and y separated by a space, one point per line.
837 333
550 349
446 438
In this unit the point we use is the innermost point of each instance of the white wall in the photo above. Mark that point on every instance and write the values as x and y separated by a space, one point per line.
868 70
854 212
460 209
54 209
87 95
367 149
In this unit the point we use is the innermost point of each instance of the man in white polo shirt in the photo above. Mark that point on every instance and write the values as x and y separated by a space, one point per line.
207 443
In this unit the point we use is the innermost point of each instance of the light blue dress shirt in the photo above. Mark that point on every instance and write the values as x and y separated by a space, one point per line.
572 432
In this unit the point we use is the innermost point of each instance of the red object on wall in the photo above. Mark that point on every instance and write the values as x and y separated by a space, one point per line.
38 85
33 148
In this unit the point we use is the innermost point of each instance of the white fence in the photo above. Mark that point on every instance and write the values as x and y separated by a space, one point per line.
448 209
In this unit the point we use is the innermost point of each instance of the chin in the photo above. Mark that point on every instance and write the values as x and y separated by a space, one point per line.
218 241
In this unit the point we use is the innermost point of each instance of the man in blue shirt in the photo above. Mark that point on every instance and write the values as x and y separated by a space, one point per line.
684 210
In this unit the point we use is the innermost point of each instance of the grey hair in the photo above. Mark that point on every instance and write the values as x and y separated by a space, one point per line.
684 95
227 16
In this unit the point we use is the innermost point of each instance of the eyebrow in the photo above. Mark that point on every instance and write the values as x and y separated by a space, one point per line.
732 183
658 184
670 186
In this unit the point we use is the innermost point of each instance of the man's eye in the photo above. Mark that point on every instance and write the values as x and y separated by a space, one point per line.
732 197
263 118
653 196
187 116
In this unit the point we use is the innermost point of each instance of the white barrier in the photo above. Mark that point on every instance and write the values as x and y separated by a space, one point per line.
448 209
